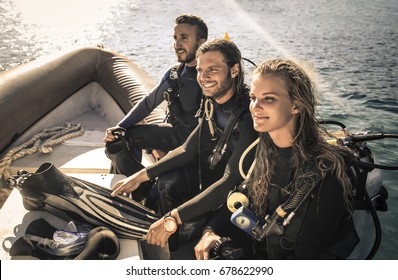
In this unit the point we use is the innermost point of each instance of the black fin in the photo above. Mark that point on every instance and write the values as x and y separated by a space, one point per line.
51 190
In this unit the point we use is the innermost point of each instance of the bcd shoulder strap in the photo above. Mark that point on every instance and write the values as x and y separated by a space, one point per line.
174 76
175 112
222 144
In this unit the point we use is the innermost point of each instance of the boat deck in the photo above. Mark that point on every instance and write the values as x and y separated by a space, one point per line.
83 156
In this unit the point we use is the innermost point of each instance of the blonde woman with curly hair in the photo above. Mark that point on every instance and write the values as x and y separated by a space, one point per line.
295 169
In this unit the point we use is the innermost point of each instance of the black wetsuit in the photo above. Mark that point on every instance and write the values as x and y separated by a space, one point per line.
215 183
325 231
169 135
324 219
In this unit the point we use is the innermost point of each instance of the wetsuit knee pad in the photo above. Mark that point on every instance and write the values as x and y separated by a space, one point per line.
181 181
167 189
168 182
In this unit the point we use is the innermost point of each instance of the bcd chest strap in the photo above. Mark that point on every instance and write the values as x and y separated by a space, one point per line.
171 93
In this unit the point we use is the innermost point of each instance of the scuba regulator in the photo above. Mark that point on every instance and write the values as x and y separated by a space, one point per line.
274 223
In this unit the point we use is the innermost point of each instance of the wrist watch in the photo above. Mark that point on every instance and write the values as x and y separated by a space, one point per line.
169 224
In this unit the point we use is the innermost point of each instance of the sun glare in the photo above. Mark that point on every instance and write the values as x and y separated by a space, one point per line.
66 12
58 24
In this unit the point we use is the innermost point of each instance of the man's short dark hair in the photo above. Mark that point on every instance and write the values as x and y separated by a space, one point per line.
197 21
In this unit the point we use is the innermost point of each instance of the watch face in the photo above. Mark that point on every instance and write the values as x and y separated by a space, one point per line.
169 225
242 221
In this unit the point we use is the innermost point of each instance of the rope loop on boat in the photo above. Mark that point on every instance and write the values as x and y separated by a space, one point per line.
41 142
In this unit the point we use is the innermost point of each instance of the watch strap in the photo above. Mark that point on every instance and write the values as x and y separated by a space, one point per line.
218 244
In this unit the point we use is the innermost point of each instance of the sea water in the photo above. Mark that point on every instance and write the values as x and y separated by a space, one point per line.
352 46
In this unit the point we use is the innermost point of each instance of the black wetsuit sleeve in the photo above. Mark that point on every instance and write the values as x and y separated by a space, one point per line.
146 105
216 194
182 156
326 215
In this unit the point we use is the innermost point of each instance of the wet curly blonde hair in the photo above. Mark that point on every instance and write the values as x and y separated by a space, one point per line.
308 143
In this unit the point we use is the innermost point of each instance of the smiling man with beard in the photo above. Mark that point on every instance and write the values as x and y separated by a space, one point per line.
212 150
179 88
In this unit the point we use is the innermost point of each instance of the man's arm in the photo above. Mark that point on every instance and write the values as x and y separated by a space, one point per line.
146 105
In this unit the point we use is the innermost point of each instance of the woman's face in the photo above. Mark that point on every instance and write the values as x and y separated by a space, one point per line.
271 108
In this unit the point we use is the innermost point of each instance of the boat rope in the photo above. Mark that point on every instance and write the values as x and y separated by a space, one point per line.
41 142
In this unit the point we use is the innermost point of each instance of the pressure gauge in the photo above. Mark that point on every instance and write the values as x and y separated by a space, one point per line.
242 221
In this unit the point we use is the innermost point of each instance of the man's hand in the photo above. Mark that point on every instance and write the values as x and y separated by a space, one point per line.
129 184
206 243
109 137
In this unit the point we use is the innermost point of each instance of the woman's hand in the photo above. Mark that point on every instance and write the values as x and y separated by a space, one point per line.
206 243
157 235
129 184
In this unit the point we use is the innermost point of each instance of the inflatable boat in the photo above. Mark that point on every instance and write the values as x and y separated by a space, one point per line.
55 110
91 86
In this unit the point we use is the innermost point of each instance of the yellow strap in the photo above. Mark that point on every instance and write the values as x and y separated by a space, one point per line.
209 110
